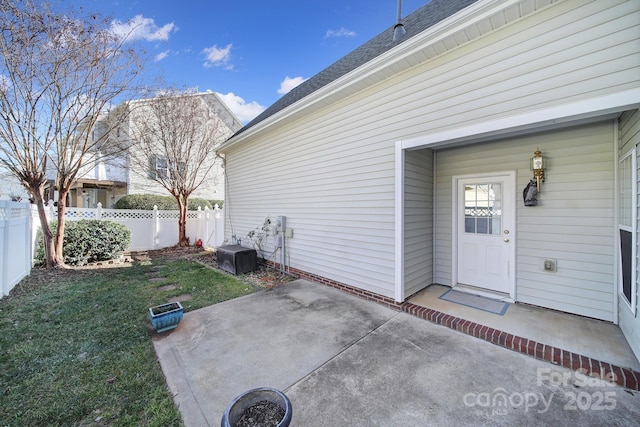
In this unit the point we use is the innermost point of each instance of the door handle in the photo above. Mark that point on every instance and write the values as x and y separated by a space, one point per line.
506 240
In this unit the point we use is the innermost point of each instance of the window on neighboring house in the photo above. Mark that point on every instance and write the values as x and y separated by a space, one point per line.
163 168
158 167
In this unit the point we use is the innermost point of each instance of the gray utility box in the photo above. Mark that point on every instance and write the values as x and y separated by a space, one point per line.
237 259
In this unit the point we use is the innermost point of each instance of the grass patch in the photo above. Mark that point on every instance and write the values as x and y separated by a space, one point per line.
205 285
77 350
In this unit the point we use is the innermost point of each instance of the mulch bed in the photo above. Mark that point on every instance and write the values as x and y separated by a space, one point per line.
264 276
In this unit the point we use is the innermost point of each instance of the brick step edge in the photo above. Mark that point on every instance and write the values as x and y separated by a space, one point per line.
622 376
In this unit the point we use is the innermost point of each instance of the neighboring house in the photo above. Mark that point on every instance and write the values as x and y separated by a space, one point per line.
109 180
404 163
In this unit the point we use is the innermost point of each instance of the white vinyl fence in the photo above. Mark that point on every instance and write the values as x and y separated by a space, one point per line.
154 229
15 247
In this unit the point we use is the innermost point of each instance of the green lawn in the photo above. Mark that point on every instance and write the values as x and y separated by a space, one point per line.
76 348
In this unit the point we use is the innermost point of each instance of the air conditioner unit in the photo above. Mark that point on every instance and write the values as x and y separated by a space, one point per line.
237 259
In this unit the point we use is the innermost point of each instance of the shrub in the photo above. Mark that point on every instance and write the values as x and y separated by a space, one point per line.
88 240
147 201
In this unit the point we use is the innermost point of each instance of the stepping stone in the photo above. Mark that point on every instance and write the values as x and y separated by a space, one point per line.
180 298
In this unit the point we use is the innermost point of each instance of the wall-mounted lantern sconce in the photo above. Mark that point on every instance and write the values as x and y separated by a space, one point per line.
538 164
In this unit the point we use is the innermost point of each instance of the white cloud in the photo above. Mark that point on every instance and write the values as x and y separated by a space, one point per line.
141 28
159 57
243 110
215 56
289 83
342 32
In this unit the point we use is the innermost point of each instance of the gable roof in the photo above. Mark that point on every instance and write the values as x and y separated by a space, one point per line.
210 99
423 18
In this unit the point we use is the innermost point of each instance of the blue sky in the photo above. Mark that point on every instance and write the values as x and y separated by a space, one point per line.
249 51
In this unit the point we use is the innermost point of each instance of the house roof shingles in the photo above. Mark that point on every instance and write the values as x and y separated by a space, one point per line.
423 18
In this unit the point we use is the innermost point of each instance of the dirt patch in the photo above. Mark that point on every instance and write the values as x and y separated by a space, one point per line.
168 254
157 279
167 287
264 277
180 298
155 272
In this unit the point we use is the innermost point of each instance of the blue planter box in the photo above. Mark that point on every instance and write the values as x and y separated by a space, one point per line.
166 316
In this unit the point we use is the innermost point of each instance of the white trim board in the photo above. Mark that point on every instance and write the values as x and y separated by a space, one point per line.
399 226
604 107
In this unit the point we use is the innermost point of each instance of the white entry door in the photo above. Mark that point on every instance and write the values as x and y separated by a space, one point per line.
485 232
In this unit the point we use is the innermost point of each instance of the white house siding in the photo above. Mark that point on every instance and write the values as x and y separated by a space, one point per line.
333 178
212 188
629 135
331 169
418 221
573 222
571 51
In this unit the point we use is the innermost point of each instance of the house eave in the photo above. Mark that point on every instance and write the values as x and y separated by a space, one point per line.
437 40
604 107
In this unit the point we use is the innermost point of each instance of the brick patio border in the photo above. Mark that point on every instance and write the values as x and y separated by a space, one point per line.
623 376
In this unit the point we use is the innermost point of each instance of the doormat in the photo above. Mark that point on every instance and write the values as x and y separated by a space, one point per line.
475 301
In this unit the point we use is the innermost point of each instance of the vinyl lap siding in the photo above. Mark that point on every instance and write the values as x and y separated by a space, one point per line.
418 221
570 51
572 223
337 191
629 134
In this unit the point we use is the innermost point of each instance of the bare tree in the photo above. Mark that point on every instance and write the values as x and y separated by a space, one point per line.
176 135
59 73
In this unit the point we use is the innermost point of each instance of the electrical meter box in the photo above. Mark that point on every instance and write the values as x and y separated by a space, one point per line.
237 259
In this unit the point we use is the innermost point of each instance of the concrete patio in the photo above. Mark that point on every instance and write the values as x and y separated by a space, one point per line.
346 361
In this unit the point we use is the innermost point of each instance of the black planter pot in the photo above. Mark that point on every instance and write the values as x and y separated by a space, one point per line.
234 411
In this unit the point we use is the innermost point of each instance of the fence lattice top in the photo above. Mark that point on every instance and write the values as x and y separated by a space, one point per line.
99 212
13 210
